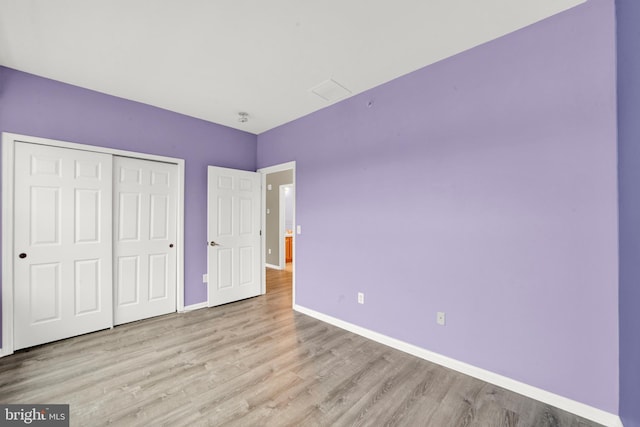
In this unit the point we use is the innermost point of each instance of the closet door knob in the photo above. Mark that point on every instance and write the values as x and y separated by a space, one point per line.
22 255
171 245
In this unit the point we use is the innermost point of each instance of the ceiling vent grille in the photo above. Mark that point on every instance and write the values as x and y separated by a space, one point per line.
331 91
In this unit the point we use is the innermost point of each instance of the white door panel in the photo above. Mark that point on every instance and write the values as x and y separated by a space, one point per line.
145 194
234 235
63 282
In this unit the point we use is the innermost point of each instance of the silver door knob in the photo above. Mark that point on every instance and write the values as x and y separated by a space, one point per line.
214 243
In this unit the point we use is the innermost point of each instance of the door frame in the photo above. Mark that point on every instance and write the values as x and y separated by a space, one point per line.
265 171
8 147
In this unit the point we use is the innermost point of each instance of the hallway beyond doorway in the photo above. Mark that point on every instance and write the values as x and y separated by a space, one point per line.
280 281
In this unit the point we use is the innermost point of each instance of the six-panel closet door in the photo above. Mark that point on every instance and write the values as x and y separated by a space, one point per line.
145 194
94 241
62 244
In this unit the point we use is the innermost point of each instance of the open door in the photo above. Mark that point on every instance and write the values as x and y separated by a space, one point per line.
233 219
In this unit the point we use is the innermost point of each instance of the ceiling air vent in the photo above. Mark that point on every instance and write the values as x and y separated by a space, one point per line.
330 90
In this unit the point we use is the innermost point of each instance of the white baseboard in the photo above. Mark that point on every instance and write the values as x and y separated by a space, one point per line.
544 396
4 353
275 267
194 307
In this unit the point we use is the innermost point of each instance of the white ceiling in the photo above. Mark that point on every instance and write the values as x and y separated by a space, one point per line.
214 58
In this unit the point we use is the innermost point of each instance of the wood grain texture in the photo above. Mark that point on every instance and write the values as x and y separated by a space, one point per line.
256 363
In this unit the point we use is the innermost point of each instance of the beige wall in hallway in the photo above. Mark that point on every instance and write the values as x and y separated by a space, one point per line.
273 205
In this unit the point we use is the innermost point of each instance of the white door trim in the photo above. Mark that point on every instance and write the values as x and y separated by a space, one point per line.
8 146
7 245
264 172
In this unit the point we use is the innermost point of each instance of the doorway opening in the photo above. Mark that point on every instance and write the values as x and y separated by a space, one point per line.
285 222
279 230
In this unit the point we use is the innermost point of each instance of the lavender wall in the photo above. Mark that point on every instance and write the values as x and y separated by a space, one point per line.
36 106
483 186
628 42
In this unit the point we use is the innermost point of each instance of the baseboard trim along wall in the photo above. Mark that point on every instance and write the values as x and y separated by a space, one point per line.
275 267
544 396
192 307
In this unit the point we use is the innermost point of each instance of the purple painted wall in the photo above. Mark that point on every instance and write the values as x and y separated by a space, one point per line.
628 43
483 186
41 107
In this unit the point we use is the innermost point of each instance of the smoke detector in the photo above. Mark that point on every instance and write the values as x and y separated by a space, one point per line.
243 117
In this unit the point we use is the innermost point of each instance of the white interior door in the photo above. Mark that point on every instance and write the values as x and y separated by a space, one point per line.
62 243
233 235
144 235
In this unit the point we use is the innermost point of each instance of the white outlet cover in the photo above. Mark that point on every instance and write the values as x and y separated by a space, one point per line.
441 318
205 278
299 229
269 187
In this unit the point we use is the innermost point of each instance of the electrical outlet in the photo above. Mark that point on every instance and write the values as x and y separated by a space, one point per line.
440 318
269 251
298 229
205 278
360 298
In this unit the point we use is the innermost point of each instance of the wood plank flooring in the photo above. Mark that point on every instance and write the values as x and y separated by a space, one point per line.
255 363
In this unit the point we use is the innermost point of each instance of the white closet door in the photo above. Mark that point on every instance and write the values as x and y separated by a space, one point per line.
62 243
145 194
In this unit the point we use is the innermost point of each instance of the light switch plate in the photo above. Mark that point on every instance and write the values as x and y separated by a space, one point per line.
298 229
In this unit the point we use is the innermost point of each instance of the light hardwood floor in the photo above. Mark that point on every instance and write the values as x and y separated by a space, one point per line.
255 363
